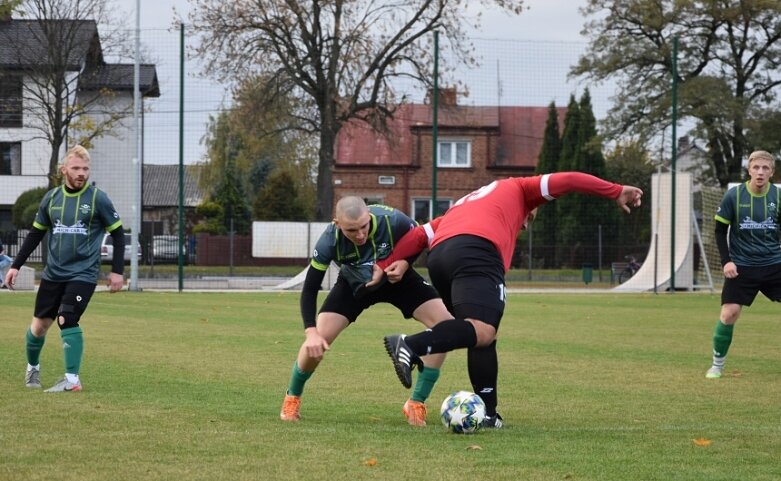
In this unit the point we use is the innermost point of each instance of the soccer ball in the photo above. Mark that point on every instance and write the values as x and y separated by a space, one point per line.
462 412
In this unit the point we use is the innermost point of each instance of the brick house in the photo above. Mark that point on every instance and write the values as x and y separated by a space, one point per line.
477 145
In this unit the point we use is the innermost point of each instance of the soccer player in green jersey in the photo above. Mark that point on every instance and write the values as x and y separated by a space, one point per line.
75 214
359 236
751 258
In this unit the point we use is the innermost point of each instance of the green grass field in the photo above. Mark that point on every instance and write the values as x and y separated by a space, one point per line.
593 387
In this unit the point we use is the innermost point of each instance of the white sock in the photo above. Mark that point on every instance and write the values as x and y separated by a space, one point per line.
30 367
72 378
718 361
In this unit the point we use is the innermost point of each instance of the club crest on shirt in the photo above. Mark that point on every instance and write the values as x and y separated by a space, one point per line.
85 208
383 250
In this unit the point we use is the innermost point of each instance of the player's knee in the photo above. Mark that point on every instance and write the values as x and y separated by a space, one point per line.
730 313
486 333
67 316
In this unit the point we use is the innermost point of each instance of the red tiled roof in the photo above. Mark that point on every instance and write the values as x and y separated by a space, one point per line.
520 134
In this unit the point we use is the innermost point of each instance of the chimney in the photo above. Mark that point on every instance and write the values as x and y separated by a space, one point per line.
683 143
448 97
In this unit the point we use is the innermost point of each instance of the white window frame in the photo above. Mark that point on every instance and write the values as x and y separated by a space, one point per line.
427 201
451 160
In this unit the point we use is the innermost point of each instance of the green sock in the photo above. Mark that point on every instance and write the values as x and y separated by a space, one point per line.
73 347
34 346
297 380
426 380
722 338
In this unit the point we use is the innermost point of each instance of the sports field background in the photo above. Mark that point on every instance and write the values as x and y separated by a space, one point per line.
593 387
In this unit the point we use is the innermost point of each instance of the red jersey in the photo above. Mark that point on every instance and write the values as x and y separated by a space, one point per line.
497 211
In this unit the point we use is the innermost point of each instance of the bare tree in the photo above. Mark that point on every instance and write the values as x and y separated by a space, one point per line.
343 59
52 55
728 68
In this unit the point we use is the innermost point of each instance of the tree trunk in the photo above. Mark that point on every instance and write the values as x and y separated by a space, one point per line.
54 162
325 186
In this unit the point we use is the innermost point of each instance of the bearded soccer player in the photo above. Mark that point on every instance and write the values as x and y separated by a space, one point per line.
471 246
76 214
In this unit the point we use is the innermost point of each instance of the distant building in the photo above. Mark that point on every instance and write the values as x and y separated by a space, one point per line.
476 145
161 199
24 155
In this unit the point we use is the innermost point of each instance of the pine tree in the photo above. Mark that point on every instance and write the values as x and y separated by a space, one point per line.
594 213
544 226
567 218
279 199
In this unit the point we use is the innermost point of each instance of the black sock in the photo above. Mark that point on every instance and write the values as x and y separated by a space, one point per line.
443 337
483 366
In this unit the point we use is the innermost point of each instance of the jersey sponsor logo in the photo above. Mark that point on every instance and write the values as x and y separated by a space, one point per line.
750 224
479 193
77 228
85 208
383 250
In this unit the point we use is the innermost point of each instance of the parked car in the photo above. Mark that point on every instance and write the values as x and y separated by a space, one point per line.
107 248
166 248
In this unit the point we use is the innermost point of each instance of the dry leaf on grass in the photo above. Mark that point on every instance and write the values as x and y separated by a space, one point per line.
702 442
371 462
473 447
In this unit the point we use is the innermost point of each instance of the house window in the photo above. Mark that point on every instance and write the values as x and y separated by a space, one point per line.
10 158
10 100
455 153
421 209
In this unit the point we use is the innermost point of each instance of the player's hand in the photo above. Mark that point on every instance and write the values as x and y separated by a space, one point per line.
115 282
397 270
630 197
377 275
10 278
730 270
315 344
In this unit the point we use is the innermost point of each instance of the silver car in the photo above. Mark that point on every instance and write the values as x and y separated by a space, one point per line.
166 248
107 248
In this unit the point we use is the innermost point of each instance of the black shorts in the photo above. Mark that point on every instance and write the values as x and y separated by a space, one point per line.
407 295
750 281
51 295
468 273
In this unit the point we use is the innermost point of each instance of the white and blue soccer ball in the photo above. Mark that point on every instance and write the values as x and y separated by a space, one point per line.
462 412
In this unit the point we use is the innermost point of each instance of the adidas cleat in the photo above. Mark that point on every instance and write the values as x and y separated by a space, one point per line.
403 358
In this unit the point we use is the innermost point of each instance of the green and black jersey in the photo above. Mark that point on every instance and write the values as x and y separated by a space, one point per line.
754 223
76 223
388 225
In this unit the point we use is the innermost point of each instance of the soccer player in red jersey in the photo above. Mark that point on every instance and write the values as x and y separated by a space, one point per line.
471 246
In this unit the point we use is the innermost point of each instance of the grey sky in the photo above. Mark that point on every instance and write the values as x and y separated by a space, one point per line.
544 20
550 20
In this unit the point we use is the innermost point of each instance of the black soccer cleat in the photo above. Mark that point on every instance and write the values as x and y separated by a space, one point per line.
492 422
403 358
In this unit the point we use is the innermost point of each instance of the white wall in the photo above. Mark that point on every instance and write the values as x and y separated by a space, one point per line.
285 239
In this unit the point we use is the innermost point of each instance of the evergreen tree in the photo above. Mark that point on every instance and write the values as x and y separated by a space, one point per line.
566 215
279 199
594 214
231 195
544 226
569 139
